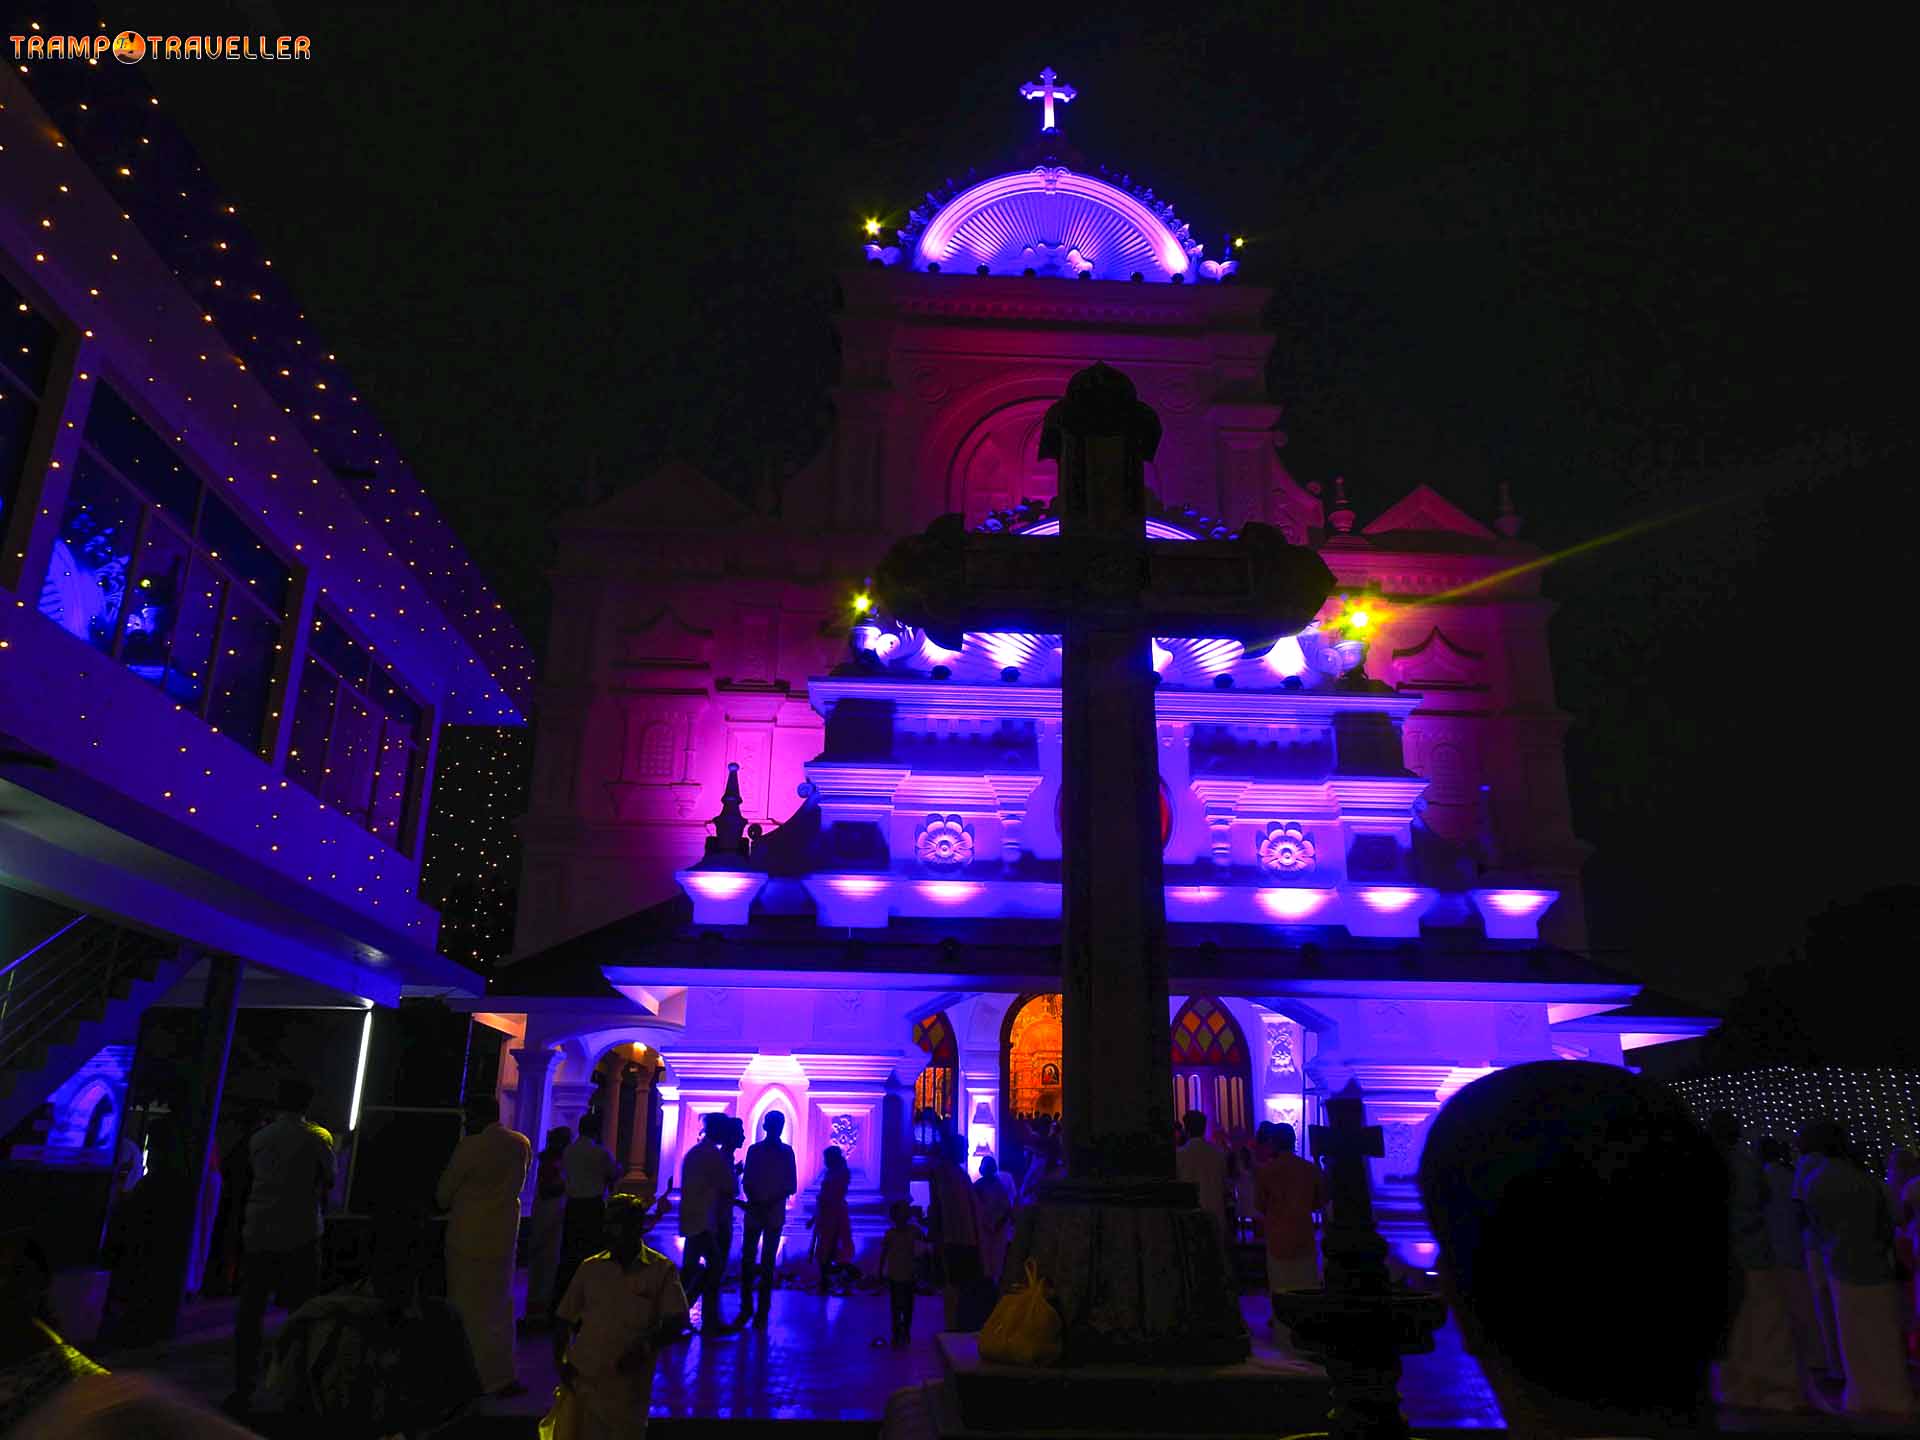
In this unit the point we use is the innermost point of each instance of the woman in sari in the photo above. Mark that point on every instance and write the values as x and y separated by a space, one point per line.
832 1224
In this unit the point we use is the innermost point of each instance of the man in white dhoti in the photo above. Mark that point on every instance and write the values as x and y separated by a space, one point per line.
995 1198
1850 1227
1203 1165
481 1189
1757 1372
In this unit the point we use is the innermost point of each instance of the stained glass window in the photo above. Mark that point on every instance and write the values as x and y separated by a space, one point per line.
1204 1034
359 736
934 1090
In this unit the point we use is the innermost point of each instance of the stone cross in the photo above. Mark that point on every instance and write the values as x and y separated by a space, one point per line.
1108 589
1137 1269
1360 1324
1046 92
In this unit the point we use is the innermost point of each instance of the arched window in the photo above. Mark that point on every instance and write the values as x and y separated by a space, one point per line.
935 1090
1211 1072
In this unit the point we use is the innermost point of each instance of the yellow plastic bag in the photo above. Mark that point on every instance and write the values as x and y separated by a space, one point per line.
1024 1328
565 1421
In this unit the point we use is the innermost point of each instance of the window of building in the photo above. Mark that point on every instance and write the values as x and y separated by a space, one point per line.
359 735
27 338
151 567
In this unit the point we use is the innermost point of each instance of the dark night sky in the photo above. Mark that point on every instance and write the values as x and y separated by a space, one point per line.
1626 266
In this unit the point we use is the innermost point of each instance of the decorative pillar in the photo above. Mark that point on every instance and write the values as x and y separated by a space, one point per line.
532 1063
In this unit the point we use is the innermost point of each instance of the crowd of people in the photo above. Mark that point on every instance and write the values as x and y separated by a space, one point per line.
1713 1269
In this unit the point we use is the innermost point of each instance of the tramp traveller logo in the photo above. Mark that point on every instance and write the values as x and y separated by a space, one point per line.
130 47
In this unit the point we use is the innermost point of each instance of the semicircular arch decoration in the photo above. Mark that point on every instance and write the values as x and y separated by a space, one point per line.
1052 221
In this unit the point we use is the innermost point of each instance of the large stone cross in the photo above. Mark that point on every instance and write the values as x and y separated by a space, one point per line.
1138 1272
1108 590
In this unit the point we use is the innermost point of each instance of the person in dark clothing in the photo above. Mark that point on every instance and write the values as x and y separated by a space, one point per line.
1521 1159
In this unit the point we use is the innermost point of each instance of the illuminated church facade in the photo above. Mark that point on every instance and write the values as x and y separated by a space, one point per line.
1371 870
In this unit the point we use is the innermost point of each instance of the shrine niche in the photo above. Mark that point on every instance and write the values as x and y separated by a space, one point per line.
1211 1069
1033 1056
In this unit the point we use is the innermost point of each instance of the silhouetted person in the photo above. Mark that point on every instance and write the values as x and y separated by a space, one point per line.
588 1170
1203 1165
293 1168
1850 1225
543 1230
621 1306
954 1221
832 1224
1757 1372
378 1357
994 1204
1787 1277
34 1361
1287 1191
1523 1159
706 1196
480 1189
899 1250
770 1179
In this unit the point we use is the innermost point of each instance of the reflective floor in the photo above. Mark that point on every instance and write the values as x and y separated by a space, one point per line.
815 1361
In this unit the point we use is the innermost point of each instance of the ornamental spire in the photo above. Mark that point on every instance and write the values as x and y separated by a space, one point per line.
1046 90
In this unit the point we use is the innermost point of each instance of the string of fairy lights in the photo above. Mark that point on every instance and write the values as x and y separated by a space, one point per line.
472 862
1880 1108
165 295
317 422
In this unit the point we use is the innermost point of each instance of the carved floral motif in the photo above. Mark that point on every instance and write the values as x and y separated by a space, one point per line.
845 1131
1280 1059
1286 849
945 842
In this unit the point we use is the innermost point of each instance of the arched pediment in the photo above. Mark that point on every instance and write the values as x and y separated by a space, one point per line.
1053 221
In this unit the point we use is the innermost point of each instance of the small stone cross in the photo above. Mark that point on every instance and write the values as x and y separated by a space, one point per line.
1046 91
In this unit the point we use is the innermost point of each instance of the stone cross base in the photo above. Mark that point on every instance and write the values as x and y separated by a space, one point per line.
1137 1272
1253 1398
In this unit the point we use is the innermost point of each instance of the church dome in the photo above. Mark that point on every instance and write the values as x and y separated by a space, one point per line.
1053 221
1050 219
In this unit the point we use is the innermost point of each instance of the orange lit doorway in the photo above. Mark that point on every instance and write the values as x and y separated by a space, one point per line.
1030 1052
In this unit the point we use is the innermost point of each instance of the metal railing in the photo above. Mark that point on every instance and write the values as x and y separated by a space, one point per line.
71 975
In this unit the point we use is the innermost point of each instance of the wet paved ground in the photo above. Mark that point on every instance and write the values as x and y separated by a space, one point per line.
815 1361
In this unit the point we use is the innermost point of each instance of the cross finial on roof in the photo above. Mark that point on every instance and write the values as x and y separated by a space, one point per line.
1046 90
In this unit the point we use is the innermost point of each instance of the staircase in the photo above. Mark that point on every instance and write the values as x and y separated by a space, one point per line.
83 987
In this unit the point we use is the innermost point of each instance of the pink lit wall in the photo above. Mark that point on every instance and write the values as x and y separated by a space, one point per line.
687 623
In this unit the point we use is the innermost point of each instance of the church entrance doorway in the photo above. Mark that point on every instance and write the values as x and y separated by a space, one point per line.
1030 1097
1211 1072
626 1096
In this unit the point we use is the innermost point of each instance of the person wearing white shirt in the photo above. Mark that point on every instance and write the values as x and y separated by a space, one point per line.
588 1170
1203 1165
480 1189
706 1184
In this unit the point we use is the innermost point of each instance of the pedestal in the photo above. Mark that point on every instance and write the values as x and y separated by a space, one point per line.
1265 1396
1136 1271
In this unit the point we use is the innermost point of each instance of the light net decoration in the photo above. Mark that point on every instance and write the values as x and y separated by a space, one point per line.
1880 1108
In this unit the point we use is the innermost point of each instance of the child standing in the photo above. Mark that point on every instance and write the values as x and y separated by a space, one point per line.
897 1253
621 1306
